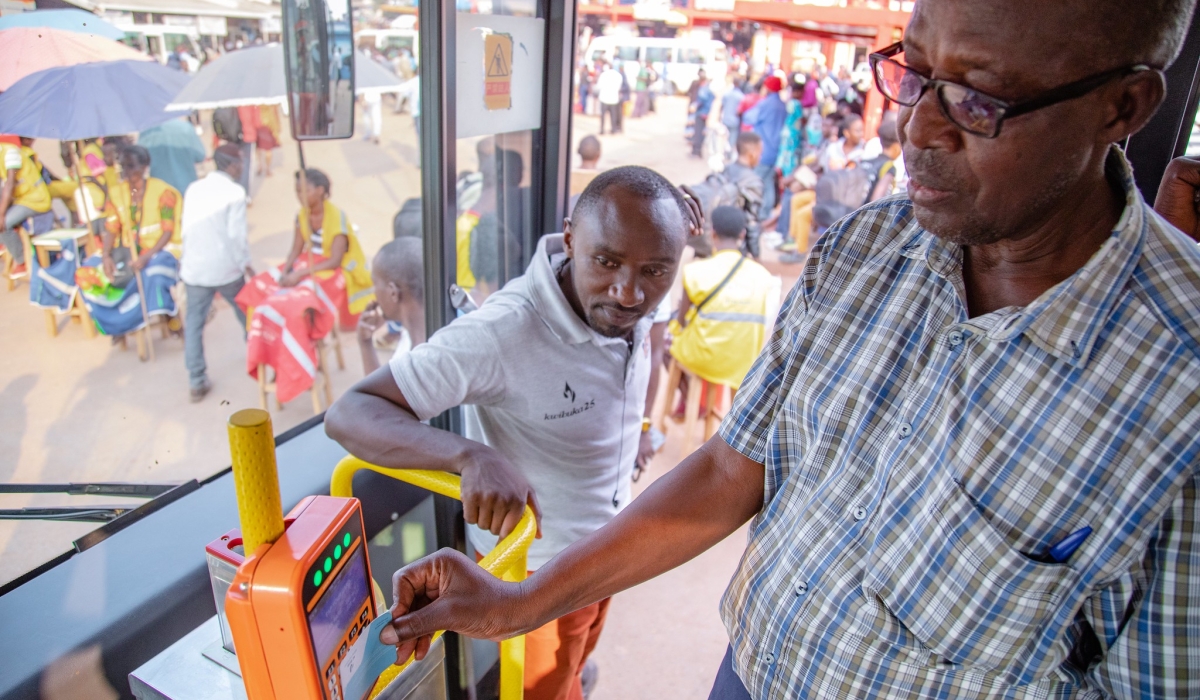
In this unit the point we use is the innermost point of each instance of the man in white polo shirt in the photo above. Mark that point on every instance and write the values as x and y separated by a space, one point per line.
552 372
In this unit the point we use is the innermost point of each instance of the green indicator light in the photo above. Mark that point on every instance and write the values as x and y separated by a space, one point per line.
346 541
328 564
337 552
317 577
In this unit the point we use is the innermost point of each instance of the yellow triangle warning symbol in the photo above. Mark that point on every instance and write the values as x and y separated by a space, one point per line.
498 67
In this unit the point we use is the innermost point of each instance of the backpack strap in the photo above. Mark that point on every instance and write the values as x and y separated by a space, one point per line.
703 302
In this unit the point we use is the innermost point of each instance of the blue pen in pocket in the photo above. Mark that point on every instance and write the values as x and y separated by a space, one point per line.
1061 552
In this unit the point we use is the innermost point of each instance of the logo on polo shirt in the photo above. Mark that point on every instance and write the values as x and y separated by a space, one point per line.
569 393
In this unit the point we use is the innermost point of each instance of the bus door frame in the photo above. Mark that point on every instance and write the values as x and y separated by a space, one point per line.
549 178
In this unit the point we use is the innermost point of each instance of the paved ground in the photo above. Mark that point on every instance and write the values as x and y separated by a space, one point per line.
75 409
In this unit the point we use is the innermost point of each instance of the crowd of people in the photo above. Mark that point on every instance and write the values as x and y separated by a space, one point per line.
811 162
811 155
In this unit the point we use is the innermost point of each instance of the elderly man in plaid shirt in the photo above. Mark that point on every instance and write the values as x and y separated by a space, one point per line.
970 450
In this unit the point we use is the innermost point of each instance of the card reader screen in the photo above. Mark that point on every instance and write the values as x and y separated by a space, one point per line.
341 613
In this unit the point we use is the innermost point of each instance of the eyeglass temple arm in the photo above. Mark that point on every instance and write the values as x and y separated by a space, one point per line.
1072 90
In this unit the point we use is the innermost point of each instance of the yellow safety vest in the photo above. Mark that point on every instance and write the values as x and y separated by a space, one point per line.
120 209
360 290
722 340
97 186
30 189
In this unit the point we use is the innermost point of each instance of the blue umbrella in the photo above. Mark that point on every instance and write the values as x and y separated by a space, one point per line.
69 20
90 100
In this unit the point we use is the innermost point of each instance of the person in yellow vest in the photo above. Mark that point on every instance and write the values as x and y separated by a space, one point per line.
722 318
98 171
142 213
23 194
60 189
324 229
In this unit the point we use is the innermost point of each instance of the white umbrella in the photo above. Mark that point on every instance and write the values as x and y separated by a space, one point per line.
255 76
372 77
250 76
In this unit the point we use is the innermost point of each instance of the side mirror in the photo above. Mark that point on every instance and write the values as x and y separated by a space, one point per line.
318 50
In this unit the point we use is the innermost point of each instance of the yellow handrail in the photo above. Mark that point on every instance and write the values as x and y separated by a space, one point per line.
507 561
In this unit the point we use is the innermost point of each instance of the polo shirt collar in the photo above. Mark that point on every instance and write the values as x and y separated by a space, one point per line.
1066 320
547 296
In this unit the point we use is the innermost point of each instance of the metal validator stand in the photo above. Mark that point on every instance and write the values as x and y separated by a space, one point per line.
295 596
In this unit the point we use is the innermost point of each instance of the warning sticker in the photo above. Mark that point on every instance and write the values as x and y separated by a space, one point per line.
497 80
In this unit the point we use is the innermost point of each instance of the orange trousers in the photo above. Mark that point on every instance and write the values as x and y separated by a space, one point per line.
556 651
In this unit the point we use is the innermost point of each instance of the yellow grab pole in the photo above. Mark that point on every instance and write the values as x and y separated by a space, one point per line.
255 478
507 561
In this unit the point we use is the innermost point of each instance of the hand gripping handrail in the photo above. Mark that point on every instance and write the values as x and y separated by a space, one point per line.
507 561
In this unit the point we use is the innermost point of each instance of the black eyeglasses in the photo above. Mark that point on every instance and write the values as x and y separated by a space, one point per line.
968 109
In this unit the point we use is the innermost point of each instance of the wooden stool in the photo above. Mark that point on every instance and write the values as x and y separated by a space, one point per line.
336 341
691 414
37 225
320 382
5 268
50 242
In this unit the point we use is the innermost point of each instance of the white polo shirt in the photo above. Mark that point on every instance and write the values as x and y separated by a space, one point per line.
562 402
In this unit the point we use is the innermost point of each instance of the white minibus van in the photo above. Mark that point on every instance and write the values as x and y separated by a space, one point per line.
676 60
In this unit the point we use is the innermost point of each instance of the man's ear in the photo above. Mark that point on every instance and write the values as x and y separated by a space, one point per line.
568 238
394 290
1138 99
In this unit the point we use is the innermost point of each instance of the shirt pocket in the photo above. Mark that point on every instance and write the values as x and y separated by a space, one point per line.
966 595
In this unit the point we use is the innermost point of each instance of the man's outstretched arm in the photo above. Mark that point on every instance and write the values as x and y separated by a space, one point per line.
697 504
375 423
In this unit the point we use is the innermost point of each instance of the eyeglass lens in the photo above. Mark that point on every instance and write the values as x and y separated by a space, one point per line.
898 83
967 108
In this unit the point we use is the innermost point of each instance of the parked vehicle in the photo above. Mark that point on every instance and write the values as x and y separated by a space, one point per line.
677 61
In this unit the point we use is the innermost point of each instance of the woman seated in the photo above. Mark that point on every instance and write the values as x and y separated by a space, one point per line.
142 213
139 254
325 245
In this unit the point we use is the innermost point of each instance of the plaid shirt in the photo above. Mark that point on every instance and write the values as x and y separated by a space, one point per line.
919 463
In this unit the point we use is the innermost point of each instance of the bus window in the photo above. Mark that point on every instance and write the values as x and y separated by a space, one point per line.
695 56
658 54
627 53
174 439
494 225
